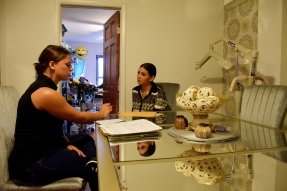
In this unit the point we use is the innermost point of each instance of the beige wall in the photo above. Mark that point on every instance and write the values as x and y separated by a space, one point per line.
270 38
270 173
283 80
29 27
171 34
2 34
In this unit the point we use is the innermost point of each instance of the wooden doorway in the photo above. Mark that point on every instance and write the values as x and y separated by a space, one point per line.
111 61
110 50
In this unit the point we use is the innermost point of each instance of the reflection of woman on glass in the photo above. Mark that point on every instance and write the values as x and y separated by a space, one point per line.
146 148
147 96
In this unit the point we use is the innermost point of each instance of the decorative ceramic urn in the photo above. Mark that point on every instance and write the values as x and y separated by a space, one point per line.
199 101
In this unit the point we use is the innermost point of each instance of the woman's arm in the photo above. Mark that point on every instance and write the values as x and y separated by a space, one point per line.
47 99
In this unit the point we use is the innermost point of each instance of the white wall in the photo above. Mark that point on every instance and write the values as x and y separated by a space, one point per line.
283 80
269 173
173 35
29 26
2 34
170 33
270 38
281 169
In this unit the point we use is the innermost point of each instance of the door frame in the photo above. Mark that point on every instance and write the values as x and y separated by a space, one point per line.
115 4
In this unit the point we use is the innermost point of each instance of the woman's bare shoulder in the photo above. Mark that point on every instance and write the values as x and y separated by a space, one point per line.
46 91
45 97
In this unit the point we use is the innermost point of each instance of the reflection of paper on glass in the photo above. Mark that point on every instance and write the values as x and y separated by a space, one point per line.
138 114
130 127
134 138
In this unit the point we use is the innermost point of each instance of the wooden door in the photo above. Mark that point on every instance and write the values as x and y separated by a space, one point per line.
111 61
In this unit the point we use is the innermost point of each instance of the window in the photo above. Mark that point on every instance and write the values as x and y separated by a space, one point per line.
100 69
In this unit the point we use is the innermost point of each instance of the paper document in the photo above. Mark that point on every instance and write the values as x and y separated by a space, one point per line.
130 127
109 121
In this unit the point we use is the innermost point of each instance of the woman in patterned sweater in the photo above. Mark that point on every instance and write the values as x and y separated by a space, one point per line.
147 96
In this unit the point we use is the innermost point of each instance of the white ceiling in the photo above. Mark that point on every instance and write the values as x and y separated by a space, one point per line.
85 24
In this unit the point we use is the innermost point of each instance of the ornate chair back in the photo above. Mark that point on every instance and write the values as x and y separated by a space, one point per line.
265 105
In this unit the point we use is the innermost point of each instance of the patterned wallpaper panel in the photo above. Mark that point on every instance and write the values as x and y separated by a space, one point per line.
240 26
240 22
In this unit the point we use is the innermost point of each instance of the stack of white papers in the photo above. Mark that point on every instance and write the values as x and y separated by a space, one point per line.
129 127
108 121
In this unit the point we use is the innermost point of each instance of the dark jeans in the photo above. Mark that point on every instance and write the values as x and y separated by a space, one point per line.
65 164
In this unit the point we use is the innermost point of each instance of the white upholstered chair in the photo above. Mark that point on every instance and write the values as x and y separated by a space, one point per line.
265 105
8 106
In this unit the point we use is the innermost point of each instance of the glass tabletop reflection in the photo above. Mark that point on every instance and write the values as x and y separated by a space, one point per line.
177 144
239 172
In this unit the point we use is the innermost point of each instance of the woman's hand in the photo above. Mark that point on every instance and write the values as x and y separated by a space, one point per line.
106 109
78 151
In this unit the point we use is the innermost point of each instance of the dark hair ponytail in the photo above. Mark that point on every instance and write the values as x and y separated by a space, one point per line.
50 53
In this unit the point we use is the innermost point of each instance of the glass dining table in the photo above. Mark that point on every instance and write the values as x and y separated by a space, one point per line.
240 155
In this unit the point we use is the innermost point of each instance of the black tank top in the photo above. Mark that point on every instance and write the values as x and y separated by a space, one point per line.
37 133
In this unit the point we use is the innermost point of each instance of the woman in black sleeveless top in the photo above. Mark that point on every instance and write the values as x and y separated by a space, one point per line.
41 153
